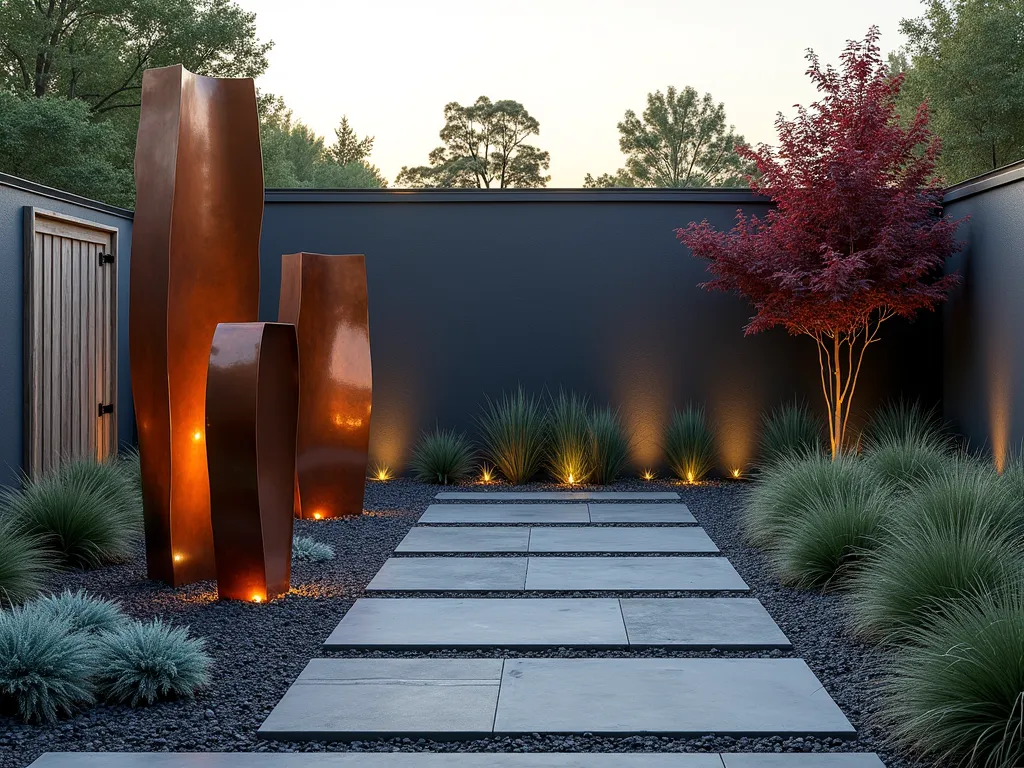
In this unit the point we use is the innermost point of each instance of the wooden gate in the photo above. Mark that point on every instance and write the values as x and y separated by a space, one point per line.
70 343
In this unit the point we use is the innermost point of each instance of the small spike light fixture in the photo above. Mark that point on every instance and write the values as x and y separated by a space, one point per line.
647 474
382 472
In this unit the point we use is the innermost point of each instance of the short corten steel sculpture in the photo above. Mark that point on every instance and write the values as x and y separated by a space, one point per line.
195 263
252 396
325 297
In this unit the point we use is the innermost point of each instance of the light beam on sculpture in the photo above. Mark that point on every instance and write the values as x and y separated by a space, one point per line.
195 263
252 396
325 298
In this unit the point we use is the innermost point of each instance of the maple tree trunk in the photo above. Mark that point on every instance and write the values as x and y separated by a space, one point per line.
840 356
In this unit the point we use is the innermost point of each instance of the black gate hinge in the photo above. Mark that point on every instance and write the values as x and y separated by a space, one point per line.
106 258
105 409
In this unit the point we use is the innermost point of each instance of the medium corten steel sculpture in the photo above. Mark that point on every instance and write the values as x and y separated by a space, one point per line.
195 263
325 297
252 397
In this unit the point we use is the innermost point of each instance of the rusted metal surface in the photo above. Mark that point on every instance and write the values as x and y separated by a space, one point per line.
325 297
195 263
252 397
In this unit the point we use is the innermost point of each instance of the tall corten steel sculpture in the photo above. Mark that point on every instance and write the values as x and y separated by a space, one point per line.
252 399
325 297
195 263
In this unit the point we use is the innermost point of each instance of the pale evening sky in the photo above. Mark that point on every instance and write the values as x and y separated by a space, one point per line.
576 65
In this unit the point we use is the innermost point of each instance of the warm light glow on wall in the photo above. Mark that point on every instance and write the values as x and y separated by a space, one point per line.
735 415
178 558
318 515
642 390
1000 408
257 598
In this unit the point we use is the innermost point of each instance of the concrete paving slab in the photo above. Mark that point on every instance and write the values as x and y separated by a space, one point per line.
687 697
632 574
640 513
371 760
558 495
471 539
451 574
578 539
701 623
368 698
506 513
803 760
424 623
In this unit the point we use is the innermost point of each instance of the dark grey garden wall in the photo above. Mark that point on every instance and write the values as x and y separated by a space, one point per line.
15 195
984 339
474 292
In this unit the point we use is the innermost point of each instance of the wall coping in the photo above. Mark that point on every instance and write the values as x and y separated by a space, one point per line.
999 177
6 180
547 195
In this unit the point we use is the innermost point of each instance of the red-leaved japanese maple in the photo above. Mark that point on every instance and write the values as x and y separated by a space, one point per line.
855 237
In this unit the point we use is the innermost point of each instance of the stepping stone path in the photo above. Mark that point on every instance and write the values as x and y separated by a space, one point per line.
339 699
440 698
519 514
477 539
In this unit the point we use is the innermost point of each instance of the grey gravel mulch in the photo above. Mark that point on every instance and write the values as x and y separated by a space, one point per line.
260 649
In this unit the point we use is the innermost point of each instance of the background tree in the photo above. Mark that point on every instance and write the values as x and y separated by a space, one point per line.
294 156
484 146
966 58
83 61
96 50
54 142
853 239
682 140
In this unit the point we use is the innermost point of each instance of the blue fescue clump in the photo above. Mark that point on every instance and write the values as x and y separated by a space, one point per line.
140 663
81 611
45 666
310 550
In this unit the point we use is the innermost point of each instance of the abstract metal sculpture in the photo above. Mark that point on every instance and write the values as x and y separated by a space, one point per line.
325 297
252 398
195 263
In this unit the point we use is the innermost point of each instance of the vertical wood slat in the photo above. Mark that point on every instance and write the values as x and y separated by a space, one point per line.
100 359
70 335
90 320
68 406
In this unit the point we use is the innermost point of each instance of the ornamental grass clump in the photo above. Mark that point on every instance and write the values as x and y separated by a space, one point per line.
905 444
689 444
569 440
81 611
903 420
443 456
837 525
25 564
782 495
923 565
609 446
305 549
954 693
791 430
84 513
514 433
45 668
139 663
